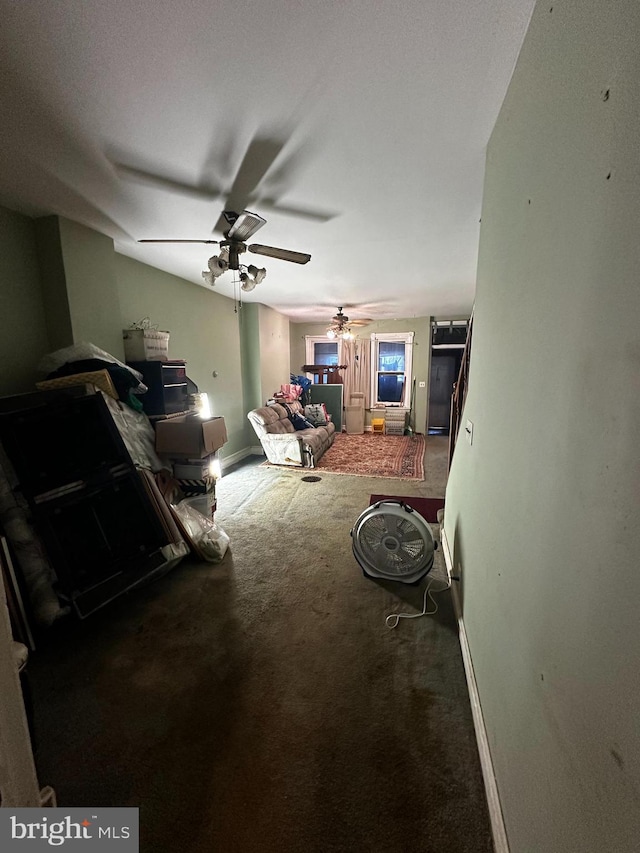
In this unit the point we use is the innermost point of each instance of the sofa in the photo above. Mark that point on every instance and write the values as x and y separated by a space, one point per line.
282 443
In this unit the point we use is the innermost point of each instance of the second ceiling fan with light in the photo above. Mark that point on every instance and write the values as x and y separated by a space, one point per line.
341 326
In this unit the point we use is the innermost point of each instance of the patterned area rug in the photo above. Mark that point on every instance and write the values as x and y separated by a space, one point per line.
370 455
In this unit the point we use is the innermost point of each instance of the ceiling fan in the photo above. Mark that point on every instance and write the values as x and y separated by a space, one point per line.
267 170
341 326
242 226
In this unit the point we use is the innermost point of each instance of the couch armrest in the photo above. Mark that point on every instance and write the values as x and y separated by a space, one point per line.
283 448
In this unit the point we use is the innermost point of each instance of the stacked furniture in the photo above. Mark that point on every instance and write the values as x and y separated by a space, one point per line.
168 385
103 523
184 441
282 443
190 445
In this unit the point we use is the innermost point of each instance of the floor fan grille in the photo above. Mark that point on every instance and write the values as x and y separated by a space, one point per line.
393 541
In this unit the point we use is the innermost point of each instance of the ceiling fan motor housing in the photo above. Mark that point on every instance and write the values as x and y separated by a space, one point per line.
393 542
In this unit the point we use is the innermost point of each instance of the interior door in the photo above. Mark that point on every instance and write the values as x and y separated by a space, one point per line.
443 376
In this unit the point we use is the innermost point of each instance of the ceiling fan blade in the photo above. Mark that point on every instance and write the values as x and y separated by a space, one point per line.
178 241
205 191
244 225
281 254
258 159
299 212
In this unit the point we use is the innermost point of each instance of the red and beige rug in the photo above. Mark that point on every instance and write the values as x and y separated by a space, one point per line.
372 455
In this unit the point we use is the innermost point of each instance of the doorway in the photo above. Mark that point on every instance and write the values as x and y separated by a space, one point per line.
445 366
448 338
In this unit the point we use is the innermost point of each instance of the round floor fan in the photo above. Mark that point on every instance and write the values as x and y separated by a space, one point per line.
393 541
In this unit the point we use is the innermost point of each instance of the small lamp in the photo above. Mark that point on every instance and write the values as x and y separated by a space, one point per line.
218 264
251 277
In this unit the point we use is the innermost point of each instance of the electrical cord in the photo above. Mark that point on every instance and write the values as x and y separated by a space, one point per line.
428 594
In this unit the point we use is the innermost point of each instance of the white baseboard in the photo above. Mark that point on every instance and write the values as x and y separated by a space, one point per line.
500 843
448 560
228 461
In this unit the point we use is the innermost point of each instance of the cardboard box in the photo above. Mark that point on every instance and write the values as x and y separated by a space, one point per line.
189 436
200 494
204 501
195 469
145 345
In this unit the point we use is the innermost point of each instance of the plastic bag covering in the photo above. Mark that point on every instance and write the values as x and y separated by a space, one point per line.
137 433
316 413
288 392
209 538
84 351
36 570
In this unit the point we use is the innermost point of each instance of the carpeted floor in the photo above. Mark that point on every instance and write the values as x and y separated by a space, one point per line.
262 704
372 455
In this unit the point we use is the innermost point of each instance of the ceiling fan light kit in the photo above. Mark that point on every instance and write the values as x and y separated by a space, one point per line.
341 327
343 334
252 276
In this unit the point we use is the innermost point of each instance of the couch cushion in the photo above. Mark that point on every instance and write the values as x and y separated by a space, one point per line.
280 427
266 415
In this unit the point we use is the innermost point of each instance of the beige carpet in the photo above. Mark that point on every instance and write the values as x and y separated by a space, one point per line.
263 704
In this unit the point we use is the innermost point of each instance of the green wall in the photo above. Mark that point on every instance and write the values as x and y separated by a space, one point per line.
421 326
541 510
250 348
78 283
53 282
90 272
274 351
24 337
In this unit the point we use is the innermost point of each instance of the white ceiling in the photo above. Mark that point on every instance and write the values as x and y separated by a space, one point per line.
134 116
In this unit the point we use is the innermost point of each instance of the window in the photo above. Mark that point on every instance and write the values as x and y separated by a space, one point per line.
326 353
320 350
449 334
391 368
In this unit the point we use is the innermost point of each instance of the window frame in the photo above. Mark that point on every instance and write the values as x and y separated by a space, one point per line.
392 337
311 340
